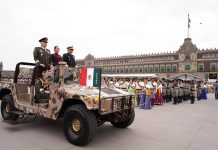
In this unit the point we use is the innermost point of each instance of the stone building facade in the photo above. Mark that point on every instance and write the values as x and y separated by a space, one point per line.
188 59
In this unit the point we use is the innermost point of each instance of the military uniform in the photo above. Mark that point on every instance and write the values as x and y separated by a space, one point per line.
164 90
181 92
175 92
41 56
192 93
42 90
69 58
185 91
199 91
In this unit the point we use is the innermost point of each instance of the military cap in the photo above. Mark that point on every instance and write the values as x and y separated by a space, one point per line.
70 47
45 39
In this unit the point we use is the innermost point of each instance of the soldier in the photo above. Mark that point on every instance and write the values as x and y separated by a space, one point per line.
181 86
216 90
42 87
69 58
175 91
168 91
192 92
42 57
199 90
186 91
164 89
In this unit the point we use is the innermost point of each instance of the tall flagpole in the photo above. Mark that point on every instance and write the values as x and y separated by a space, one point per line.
189 21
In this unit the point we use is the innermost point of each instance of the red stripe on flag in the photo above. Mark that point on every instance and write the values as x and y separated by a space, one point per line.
83 76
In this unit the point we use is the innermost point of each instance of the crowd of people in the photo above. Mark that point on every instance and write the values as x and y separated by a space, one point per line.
153 91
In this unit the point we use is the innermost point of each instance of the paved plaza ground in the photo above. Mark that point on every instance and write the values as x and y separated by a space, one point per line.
168 127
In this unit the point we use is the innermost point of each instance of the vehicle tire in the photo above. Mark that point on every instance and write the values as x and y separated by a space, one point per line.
7 105
127 122
80 125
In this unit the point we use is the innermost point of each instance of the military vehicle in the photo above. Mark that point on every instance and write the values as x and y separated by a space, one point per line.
82 108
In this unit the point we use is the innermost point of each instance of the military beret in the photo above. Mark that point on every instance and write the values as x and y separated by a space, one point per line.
45 39
70 47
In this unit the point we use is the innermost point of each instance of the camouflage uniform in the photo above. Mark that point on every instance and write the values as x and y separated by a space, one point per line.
41 56
175 92
164 89
42 90
181 92
192 93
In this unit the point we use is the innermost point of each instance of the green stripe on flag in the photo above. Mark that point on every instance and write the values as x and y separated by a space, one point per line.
97 77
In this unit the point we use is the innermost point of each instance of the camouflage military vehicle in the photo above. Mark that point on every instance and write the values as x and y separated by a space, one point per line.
80 107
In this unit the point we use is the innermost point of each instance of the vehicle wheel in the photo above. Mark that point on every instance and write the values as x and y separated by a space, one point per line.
127 122
7 105
80 125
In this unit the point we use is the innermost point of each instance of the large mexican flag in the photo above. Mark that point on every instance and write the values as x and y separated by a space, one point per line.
90 77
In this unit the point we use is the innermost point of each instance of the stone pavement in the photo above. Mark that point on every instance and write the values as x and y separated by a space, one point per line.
168 127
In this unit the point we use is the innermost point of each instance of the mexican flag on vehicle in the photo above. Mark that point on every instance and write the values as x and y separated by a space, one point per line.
90 77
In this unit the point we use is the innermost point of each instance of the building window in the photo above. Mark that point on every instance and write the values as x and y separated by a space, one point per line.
136 69
174 68
145 69
162 68
168 69
150 68
200 67
212 67
118 70
140 69
187 67
121 70
130 69
156 69
114 70
126 69
109 70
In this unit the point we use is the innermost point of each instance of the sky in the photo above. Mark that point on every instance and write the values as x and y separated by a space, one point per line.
104 27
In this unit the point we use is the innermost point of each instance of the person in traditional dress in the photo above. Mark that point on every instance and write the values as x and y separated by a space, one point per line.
145 102
147 97
199 90
131 87
158 94
204 92
153 86
138 88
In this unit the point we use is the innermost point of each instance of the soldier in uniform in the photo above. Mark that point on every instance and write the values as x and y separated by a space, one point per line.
42 87
164 89
69 58
181 86
175 91
185 90
42 57
199 90
192 92
168 91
